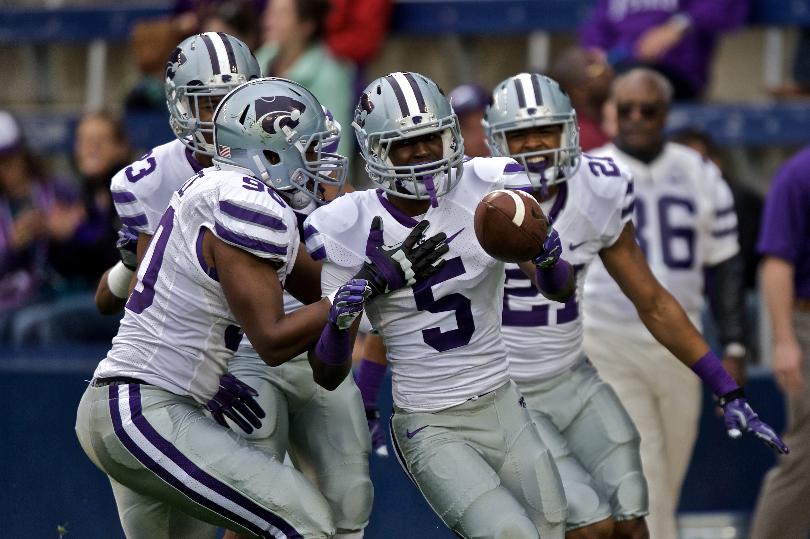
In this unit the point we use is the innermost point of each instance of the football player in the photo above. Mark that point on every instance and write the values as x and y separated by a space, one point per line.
221 254
200 71
684 223
459 427
590 201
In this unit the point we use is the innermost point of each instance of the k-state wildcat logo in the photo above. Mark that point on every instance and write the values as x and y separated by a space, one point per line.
277 112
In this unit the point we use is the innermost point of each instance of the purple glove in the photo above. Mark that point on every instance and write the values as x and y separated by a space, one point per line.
235 401
552 249
739 417
127 245
392 268
348 303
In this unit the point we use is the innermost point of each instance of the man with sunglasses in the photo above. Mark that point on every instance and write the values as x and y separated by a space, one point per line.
684 222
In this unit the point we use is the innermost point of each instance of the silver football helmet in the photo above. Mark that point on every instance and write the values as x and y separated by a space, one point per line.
400 106
204 66
530 100
276 130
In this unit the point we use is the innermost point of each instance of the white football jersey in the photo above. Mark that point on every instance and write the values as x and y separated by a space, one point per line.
443 334
178 332
589 211
142 190
684 220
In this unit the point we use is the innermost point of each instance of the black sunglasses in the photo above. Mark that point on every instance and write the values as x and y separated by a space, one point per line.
648 111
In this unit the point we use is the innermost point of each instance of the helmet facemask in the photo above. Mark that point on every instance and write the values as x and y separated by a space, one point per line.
421 181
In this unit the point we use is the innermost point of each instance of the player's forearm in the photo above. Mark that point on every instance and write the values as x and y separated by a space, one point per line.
106 301
558 282
331 358
292 334
777 286
667 322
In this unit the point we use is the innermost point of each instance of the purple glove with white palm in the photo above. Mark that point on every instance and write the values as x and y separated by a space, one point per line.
740 417
392 268
348 303
235 400
551 252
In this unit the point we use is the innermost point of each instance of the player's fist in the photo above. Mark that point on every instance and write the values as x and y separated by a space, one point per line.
739 417
127 245
550 253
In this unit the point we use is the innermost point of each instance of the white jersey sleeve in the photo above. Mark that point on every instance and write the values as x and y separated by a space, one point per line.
589 211
178 331
443 334
142 191
721 240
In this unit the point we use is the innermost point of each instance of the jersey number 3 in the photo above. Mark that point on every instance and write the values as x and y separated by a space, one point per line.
425 301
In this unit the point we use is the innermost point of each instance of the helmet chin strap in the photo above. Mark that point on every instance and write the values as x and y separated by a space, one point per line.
427 180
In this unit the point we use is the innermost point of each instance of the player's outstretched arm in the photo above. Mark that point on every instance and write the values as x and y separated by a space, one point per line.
116 283
552 276
668 323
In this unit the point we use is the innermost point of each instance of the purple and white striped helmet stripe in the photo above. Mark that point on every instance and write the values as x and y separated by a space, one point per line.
409 96
163 459
220 52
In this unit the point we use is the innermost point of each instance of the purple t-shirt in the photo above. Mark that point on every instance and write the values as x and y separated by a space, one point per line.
785 231
616 25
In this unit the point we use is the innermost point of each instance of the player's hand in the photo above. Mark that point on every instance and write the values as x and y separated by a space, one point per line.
127 245
392 268
235 400
377 432
348 303
549 255
739 417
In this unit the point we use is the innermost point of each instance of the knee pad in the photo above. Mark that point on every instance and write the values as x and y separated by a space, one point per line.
496 514
630 498
350 499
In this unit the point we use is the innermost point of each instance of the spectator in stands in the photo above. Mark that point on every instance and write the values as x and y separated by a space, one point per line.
294 49
675 37
684 222
80 244
469 102
784 242
748 205
355 29
239 18
585 76
151 42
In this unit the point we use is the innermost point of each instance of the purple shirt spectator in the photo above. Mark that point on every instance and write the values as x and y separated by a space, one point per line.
616 26
785 231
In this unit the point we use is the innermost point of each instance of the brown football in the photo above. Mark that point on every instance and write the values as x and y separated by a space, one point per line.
510 225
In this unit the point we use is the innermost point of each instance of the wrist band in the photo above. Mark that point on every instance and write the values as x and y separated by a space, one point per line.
713 374
118 280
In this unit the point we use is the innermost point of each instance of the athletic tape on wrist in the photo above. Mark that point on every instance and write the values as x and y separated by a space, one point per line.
118 280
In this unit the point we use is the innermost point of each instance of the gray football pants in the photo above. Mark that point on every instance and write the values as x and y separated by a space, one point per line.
594 443
782 510
171 465
482 467
324 432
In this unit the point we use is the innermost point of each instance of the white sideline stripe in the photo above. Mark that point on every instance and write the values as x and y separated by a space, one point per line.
407 91
169 465
520 208
222 53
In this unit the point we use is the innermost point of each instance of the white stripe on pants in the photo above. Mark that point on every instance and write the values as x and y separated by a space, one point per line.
663 397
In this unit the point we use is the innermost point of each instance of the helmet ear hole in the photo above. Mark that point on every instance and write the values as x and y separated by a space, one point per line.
272 157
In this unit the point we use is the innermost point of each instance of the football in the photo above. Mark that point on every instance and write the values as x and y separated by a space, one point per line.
510 225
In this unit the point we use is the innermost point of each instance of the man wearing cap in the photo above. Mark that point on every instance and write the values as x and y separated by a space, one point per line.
469 102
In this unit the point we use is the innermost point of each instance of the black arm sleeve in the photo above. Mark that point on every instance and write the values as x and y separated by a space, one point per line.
727 299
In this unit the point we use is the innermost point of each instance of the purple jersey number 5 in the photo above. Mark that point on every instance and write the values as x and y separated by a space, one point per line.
461 305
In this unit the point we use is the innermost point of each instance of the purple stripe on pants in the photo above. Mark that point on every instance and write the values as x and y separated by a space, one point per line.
173 454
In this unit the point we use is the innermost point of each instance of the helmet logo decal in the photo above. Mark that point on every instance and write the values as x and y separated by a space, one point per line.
176 59
364 108
278 112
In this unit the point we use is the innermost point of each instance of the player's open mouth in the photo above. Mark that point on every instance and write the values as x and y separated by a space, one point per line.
537 163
